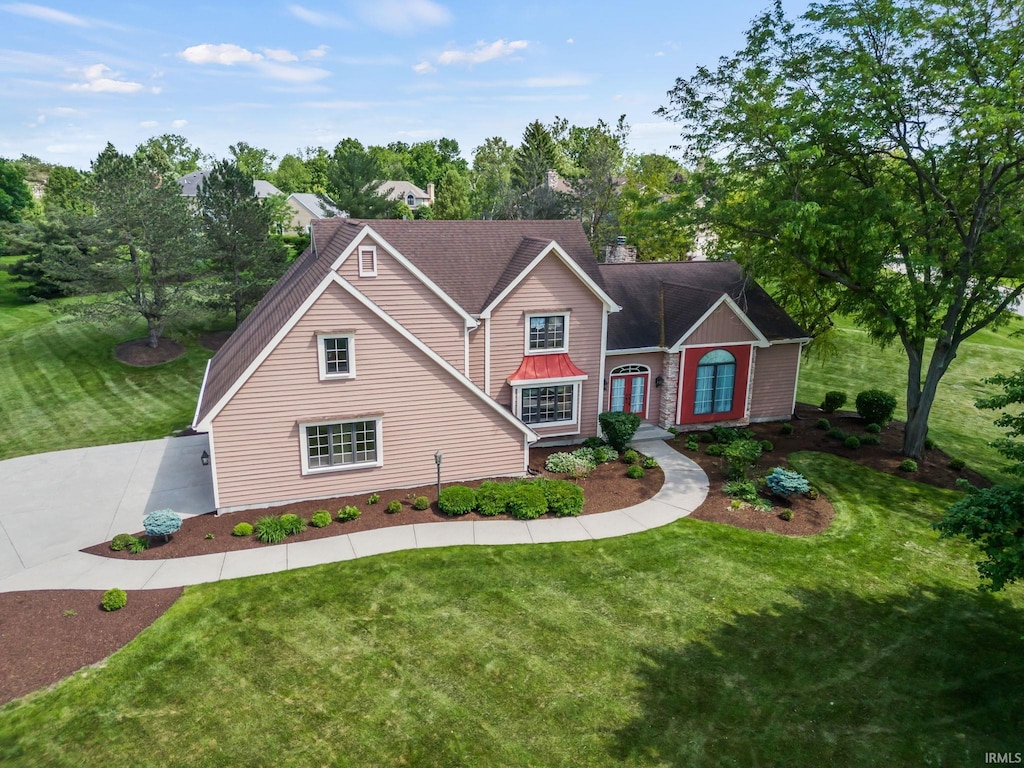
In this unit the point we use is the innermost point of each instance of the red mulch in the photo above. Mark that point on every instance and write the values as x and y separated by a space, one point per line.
138 352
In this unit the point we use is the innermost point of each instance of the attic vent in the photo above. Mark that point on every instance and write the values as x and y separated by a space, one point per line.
367 261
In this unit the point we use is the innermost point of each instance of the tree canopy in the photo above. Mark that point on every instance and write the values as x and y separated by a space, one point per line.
873 153
15 196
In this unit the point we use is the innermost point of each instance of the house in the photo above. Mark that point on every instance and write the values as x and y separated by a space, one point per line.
388 341
191 183
407 192
306 206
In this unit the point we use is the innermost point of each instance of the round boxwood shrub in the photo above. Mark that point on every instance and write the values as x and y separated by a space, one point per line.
242 529
767 446
908 465
348 512
457 500
876 406
957 464
162 522
292 524
786 428
565 498
619 427
823 425
631 456
321 518
874 429
786 514
834 400
929 444
421 503
635 472
492 498
707 437
837 433
852 441
114 599
717 449
394 507
871 440
270 530
121 541
527 501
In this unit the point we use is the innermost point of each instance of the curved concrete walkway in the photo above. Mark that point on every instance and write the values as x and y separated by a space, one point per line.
684 490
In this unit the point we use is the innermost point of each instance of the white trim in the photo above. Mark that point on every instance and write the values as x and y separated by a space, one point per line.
487 356
761 340
679 388
465 353
304 446
202 391
636 351
566 315
321 355
213 471
367 231
367 250
577 392
546 382
717 345
575 268
796 379
803 340
601 368
751 364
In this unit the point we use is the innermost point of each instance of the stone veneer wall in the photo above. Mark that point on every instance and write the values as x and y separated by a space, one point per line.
670 391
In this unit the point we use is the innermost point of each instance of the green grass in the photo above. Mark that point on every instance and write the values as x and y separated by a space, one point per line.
694 644
959 429
62 388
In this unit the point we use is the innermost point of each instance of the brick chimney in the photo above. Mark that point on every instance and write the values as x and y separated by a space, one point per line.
620 253
430 193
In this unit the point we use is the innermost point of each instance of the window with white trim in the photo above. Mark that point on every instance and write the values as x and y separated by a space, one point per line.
547 333
716 380
342 445
367 261
541 405
337 356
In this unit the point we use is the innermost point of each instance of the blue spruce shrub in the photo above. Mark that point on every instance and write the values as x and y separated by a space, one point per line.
162 522
785 482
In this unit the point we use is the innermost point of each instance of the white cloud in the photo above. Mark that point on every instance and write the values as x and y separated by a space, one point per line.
227 54
43 13
570 41
424 68
404 16
292 74
318 18
62 149
280 54
556 81
148 124
482 52
96 81
178 124
66 112
317 53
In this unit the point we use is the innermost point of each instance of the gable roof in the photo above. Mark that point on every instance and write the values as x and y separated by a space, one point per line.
316 205
399 190
688 289
191 182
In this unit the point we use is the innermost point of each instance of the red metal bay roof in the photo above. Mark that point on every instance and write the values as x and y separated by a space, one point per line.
542 367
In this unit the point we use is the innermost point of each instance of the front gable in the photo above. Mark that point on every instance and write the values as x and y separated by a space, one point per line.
723 323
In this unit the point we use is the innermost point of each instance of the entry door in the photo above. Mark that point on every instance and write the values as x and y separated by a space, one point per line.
629 393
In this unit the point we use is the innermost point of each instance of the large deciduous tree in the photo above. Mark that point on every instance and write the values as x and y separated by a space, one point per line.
172 153
15 196
492 194
874 151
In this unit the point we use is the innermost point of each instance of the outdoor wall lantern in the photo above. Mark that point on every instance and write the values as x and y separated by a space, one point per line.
659 380
205 458
437 460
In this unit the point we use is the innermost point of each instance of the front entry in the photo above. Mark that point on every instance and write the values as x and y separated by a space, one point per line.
628 389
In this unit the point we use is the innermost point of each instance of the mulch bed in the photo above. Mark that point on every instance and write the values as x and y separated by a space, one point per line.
214 340
138 352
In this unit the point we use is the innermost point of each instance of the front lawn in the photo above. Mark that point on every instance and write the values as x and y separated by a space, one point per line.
693 644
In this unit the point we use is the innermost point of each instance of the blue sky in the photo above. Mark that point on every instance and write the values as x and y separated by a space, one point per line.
285 75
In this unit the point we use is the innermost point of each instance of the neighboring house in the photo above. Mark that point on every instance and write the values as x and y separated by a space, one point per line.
388 341
306 206
190 185
407 192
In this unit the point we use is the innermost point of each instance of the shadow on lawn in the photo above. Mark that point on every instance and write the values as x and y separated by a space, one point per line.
929 678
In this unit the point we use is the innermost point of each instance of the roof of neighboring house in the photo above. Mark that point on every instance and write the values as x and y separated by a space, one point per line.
319 207
399 190
690 289
190 185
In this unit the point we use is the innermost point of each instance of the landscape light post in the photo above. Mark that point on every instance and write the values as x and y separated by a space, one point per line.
437 460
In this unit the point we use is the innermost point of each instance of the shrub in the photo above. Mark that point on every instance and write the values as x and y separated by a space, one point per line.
852 441
565 499
744 490
908 465
631 456
786 514
421 503
605 454
871 440
374 498
725 435
957 464
634 472
242 529
834 400
876 406
492 498
579 463
929 444
648 462
457 500
767 446
114 599
740 456
348 512
526 501
593 442
121 541
672 430
786 429
292 524
270 530
785 482
707 437
873 428
717 449
162 522
138 545
619 428
321 518
837 433
691 443
822 424
394 507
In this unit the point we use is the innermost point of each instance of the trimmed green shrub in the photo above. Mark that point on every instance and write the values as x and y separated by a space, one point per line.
707 437
594 442
929 444
374 498
492 498
837 433
876 406
871 440
457 500
565 499
786 428
394 507
348 512
834 400
716 449
634 472
740 456
619 428
293 524
648 462
852 441
822 424
321 518
786 482
767 446
873 428
270 530
605 454
114 599
786 514
526 501
908 465
162 522
242 529
138 544
631 456
421 503
957 464
121 541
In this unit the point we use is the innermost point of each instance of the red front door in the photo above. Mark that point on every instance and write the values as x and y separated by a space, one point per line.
628 392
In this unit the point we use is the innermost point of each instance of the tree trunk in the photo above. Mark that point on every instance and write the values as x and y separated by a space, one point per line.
919 407
155 331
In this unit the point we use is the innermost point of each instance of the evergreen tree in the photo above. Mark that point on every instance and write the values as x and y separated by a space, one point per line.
452 197
537 154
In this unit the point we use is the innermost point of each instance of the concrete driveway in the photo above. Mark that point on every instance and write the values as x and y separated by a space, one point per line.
55 503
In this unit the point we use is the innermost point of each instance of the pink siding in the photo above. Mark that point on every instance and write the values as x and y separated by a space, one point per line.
653 360
775 370
721 327
257 441
411 303
550 287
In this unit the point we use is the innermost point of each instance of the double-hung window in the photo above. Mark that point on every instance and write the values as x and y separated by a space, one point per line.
541 405
547 333
342 445
336 353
